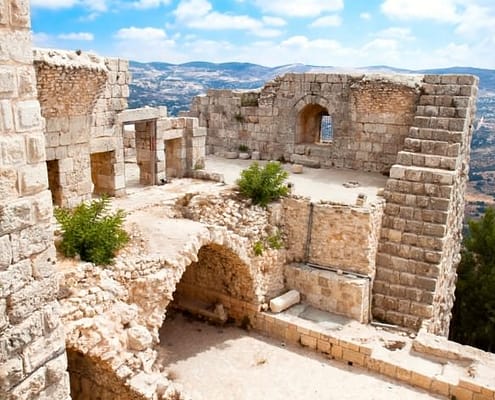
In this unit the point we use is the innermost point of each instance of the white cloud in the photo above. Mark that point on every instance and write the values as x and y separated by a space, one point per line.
365 16
274 21
395 33
83 36
199 14
148 33
476 20
146 4
329 20
54 4
305 43
93 5
300 8
439 10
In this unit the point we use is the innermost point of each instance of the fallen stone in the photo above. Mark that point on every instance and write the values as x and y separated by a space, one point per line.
244 156
296 169
281 303
139 338
255 155
231 155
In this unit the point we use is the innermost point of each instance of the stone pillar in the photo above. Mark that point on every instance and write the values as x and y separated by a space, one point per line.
145 153
33 361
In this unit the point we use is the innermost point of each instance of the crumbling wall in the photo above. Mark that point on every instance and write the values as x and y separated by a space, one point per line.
422 224
32 349
80 94
371 115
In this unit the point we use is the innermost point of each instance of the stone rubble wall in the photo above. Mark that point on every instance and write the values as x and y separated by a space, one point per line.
80 95
422 224
371 117
33 360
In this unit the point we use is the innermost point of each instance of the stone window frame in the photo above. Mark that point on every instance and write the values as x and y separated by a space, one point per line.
318 106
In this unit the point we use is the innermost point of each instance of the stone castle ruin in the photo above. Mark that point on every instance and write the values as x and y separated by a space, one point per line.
81 331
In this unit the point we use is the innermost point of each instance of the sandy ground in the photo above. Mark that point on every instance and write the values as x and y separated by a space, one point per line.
316 183
226 363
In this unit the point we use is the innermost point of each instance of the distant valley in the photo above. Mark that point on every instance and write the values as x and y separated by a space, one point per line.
174 86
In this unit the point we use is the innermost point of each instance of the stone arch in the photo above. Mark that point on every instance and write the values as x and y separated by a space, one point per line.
308 112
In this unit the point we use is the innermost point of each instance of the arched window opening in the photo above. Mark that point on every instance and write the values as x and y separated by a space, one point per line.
314 125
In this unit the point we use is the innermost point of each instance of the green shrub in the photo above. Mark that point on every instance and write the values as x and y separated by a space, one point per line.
243 148
275 241
91 231
258 248
263 185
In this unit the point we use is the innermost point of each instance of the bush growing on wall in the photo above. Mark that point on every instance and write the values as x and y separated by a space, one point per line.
263 184
91 231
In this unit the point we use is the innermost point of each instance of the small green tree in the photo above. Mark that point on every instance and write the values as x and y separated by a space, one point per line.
263 184
473 319
91 231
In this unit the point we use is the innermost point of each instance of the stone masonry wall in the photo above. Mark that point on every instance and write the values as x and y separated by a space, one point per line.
422 224
80 94
332 235
371 116
32 348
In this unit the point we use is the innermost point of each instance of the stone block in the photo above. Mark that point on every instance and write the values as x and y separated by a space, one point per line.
27 115
8 183
12 150
139 338
12 373
5 252
33 179
35 146
39 352
8 81
6 116
15 278
30 298
15 215
285 301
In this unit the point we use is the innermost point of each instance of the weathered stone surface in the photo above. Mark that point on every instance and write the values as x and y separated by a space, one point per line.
139 338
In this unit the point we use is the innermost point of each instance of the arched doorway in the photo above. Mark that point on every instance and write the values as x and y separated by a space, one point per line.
314 125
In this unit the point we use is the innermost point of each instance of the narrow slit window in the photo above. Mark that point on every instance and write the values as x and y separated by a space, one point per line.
326 129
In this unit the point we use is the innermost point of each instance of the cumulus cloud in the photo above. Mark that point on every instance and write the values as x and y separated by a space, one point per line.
199 14
395 33
365 16
82 36
439 10
299 8
305 43
146 4
147 33
329 20
54 4
273 21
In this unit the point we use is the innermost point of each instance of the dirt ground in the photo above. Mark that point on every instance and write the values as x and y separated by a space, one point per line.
226 363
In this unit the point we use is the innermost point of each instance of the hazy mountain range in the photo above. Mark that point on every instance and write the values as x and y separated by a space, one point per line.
174 85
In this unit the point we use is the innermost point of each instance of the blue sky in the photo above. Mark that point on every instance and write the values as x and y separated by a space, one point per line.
348 33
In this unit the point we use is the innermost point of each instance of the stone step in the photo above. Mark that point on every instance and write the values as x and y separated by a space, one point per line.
448 89
441 135
441 111
444 101
431 147
422 174
451 124
408 158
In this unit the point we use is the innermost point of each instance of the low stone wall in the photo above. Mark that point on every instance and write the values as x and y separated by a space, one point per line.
330 291
334 235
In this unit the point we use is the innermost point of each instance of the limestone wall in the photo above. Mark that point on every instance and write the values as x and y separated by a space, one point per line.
330 291
80 94
32 350
332 235
371 115
422 224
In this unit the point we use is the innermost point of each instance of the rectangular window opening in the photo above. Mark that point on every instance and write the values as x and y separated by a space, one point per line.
326 129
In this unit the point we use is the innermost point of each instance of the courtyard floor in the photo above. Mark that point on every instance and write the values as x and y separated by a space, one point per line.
226 363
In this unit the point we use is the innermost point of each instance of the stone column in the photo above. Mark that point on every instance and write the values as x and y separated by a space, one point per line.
33 361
